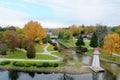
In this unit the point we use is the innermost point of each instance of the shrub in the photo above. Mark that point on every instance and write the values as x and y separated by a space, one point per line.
45 40
27 64
3 48
55 65
45 64
81 50
50 41
60 49
31 51
4 62
38 65
20 64
55 46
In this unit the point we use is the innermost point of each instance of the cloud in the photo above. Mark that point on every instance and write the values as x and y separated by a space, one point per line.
62 13
49 24
12 17
83 11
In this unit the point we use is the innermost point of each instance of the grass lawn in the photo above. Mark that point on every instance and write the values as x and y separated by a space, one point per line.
104 56
67 43
17 55
40 48
87 44
21 55
44 57
58 54
72 43
50 48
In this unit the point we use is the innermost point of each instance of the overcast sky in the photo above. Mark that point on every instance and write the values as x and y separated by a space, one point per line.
60 13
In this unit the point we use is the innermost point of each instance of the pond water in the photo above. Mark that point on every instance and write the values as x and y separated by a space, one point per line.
112 72
13 75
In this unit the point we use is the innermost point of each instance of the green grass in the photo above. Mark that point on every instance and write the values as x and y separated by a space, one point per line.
72 43
40 48
44 57
50 48
21 55
87 44
58 54
104 56
77 64
67 43
17 55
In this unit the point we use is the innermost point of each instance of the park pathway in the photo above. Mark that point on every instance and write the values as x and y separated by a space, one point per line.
46 52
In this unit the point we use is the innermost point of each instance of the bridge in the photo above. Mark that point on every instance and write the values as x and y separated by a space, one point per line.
53 37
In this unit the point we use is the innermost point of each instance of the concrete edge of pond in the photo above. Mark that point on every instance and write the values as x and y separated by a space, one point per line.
65 69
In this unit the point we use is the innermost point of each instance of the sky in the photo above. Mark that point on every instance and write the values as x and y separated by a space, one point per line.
59 13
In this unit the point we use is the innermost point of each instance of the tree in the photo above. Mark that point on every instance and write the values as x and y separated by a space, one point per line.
34 31
31 51
67 35
20 38
3 48
80 41
111 44
26 42
12 42
94 40
7 34
117 29
101 32
13 75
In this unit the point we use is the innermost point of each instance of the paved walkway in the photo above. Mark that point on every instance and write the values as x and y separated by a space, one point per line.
46 52
116 54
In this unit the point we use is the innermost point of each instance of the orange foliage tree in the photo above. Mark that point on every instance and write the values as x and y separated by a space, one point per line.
111 44
34 31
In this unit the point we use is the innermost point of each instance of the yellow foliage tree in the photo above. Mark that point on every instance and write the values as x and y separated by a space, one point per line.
34 31
111 44
73 28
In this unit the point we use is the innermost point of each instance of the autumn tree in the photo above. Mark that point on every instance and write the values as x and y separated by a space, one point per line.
116 29
7 34
89 29
111 44
67 35
12 42
19 40
94 41
26 42
34 30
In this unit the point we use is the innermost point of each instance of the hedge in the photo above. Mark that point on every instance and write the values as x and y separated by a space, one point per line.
4 62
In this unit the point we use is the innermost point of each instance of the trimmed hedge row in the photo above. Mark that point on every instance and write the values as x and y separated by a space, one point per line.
29 64
4 62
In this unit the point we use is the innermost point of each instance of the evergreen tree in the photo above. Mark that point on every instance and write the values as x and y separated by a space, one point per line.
94 40
101 32
31 51
80 41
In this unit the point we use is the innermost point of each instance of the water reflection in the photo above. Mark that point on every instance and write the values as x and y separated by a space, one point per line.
109 76
95 76
66 77
32 74
13 75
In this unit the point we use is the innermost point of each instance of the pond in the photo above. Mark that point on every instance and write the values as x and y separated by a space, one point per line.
14 75
112 72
